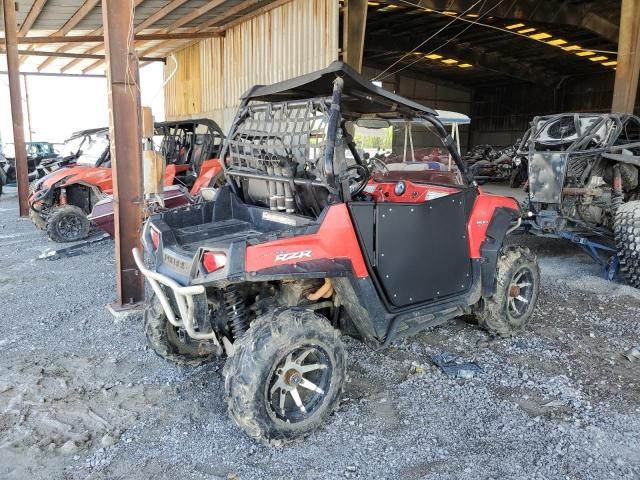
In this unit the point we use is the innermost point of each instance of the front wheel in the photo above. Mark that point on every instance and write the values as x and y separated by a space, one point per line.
517 287
285 376
68 224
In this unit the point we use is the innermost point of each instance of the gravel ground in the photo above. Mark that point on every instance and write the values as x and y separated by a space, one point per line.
81 395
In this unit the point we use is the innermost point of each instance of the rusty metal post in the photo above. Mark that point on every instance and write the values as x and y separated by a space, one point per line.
126 147
628 68
13 70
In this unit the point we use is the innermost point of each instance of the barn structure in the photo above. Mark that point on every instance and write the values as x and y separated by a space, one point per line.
501 61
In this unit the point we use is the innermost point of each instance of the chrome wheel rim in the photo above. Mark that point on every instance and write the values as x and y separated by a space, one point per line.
520 293
299 384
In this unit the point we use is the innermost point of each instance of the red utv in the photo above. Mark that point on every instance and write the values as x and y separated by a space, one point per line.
304 244
61 201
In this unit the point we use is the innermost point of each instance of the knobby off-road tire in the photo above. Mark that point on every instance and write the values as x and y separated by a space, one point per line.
37 220
165 341
68 224
626 230
517 275
263 357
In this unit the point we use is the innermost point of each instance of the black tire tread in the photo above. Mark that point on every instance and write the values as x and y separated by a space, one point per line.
60 212
155 328
492 316
626 229
253 351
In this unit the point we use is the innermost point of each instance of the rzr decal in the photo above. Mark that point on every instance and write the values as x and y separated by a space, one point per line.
285 256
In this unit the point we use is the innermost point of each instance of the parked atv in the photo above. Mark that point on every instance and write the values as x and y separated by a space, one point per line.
298 249
62 200
584 185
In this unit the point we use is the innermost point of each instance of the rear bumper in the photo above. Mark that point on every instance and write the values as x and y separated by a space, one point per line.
184 296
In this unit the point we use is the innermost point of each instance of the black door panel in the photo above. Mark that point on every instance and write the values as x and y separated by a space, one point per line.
421 250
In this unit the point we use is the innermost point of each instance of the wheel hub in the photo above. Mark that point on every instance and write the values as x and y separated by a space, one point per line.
514 291
298 386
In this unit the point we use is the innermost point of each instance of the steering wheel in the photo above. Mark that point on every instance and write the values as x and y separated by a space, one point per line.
359 180
376 163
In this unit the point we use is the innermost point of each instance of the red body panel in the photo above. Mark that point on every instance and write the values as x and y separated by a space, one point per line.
98 176
415 192
335 239
481 216
208 171
171 171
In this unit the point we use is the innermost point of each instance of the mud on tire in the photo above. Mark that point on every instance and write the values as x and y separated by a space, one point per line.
265 356
165 341
39 222
67 224
517 275
626 229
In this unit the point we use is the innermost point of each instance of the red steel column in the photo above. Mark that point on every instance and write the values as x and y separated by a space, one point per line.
126 146
628 68
13 70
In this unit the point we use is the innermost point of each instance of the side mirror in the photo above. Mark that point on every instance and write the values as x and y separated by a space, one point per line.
209 194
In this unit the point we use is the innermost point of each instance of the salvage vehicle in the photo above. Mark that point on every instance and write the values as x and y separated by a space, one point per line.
295 250
584 185
61 201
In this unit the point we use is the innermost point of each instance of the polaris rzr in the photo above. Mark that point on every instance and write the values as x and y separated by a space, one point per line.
583 185
304 244
61 201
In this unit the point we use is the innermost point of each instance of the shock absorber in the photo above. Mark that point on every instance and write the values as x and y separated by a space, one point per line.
236 311
617 198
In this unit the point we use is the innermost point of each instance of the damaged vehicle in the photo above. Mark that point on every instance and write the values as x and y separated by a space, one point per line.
298 248
62 201
584 185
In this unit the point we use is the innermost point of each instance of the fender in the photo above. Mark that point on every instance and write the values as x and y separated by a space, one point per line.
497 230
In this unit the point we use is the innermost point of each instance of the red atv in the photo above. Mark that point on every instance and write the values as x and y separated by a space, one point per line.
62 200
303 245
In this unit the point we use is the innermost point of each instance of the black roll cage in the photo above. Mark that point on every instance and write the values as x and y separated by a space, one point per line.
348 87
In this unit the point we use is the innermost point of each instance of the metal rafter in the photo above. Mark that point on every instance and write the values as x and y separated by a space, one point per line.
74 20
465 52
548 11
198 12
156 17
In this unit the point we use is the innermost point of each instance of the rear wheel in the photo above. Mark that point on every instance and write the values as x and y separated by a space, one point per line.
168 342
626 230
68 224
285 376
516 295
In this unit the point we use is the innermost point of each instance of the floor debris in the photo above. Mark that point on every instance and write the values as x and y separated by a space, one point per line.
448 363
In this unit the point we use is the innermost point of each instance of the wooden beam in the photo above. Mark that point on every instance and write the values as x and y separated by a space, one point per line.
13 67
222 17
126 149
354 25
67 47
80 56
99 38
628 67
198 12
157 16
31 17
73 21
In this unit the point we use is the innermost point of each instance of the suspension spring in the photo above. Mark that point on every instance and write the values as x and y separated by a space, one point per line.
236 311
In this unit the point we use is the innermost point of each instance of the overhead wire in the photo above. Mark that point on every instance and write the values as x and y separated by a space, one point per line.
495 27
450 39
377 77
